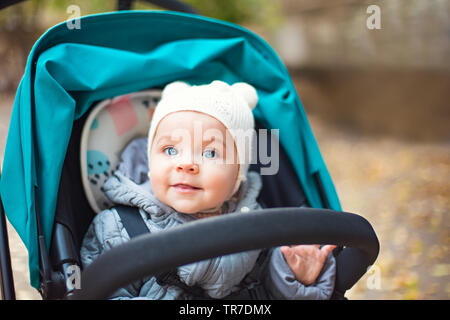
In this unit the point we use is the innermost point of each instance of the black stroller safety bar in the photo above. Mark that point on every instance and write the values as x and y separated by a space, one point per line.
6 275
127 5
173 5
7 3
150 254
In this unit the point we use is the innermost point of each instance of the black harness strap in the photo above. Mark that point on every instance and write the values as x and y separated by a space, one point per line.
132 221
252 287
171 278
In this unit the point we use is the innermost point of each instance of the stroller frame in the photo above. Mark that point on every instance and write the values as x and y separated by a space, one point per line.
6 275
54 264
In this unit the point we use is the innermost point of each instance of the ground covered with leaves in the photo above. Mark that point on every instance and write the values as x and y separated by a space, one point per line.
403 190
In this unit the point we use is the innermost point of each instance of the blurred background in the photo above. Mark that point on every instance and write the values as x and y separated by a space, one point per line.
375 85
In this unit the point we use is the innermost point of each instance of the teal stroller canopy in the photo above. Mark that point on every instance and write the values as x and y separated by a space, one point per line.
121 52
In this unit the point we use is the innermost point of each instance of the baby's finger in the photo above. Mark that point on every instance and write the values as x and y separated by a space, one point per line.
305 249
289 255
327 249
287 251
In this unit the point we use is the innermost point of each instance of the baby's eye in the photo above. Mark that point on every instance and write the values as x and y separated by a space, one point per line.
209 154
170 151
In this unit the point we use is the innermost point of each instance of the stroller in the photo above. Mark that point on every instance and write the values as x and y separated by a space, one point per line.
74 75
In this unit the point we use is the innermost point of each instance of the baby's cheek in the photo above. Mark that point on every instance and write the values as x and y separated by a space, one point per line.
157 181
223 182
220 183
157 166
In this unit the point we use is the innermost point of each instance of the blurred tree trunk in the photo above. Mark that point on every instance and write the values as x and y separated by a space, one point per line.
19 29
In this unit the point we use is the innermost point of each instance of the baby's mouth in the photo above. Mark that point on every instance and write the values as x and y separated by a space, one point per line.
182 187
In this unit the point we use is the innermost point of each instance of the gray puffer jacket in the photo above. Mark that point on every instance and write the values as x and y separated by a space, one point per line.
219 276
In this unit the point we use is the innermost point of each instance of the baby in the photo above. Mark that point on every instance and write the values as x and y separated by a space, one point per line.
199 149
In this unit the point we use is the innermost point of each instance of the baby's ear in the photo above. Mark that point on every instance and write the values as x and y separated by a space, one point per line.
247 92
174 88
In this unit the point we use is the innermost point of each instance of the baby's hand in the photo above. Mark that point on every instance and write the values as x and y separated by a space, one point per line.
306 261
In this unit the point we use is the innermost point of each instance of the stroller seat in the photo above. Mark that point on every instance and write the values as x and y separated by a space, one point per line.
111 125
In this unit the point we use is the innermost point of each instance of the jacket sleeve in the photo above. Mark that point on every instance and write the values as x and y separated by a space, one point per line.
105 232
220 275
281 283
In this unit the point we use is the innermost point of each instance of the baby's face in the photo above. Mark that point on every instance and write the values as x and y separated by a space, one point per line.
193 162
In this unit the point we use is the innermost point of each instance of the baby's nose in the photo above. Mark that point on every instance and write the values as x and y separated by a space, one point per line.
188 168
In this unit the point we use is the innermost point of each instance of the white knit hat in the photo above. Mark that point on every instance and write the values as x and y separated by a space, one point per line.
231 105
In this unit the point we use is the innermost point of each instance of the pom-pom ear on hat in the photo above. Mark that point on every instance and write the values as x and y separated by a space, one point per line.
247 92
220 85
174 87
